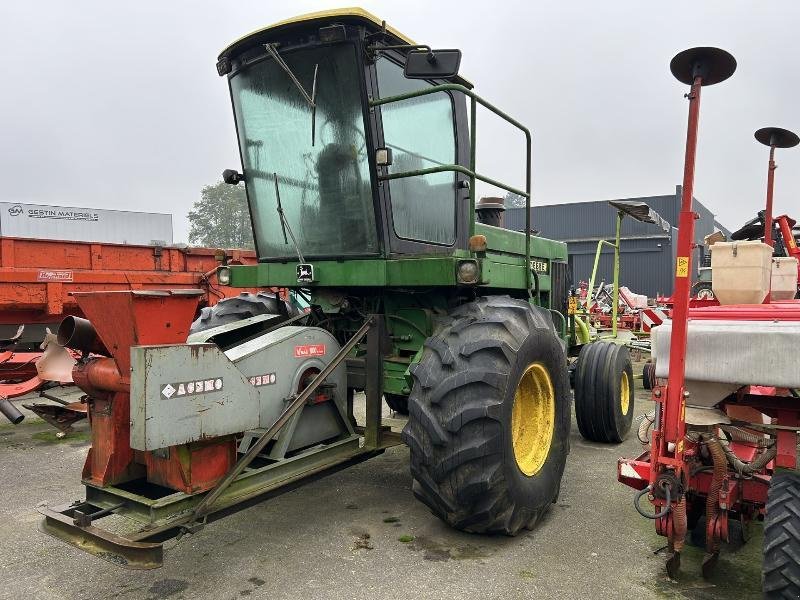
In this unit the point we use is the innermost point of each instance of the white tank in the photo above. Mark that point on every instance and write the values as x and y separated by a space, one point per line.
784 278
741 272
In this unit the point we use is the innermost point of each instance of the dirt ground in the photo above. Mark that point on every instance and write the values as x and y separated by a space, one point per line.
359 534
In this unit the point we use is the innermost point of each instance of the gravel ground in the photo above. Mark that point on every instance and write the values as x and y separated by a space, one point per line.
358 534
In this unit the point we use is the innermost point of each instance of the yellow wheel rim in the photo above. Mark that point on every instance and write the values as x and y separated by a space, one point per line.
533 419
624 393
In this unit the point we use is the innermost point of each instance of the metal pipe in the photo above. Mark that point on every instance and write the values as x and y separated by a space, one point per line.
80 334
10 411
296 404
770 187
100 375
615 300
473 152
673 426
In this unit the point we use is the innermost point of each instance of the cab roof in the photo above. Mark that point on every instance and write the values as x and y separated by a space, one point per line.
354 15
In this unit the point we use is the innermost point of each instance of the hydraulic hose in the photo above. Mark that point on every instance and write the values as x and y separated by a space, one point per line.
712 500
657 515
744 468
742 435
643 433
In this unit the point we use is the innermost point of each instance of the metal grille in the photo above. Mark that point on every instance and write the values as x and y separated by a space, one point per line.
560 282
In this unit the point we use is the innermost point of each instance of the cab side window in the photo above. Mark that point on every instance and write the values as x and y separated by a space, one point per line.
421 135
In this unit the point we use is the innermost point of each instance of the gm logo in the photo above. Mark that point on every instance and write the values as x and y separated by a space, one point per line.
15 210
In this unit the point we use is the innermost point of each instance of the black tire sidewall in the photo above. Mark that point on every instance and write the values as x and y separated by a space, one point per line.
533 492
621 363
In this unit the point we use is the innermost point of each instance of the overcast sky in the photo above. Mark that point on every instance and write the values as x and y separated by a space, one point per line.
118 105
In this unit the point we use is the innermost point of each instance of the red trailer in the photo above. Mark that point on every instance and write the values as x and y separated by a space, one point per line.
37 278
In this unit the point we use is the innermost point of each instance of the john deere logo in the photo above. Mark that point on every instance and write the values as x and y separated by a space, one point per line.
305 273
15 210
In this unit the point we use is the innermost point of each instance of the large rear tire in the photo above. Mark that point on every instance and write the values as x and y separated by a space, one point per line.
781 567
604 392
488 428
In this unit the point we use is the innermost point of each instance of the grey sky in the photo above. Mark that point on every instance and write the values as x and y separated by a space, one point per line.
118 105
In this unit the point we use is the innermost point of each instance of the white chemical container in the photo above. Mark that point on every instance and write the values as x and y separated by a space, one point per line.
784 278
741 272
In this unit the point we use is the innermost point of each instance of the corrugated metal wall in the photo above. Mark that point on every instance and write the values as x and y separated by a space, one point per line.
647 253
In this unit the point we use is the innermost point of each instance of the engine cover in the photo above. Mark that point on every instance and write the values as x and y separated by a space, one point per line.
189 392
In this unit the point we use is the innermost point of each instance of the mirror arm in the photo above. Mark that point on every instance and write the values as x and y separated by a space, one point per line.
431 54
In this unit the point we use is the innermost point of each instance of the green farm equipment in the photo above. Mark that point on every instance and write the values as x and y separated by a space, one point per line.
358 150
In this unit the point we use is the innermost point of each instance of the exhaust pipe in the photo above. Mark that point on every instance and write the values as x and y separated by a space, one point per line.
10 411
79 334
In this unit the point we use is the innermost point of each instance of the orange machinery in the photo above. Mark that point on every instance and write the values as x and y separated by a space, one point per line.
37 278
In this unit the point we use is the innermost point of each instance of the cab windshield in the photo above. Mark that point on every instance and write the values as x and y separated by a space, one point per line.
324 187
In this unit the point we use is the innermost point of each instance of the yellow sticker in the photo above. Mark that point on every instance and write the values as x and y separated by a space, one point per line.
572 307
680 446
682 266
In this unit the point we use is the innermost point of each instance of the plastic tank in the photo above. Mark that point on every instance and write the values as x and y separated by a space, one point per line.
784 278
741 272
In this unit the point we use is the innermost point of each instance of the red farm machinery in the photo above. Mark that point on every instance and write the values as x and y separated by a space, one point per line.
38 279
721 442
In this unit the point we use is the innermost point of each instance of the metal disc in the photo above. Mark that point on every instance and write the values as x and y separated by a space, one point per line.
775 136
712 64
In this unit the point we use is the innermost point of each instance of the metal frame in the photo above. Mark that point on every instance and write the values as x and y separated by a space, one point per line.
179 513
470 172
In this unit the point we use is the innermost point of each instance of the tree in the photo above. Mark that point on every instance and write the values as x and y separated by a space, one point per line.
512 200
220 218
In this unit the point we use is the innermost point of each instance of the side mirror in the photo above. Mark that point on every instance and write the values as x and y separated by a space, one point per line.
232 177
432 64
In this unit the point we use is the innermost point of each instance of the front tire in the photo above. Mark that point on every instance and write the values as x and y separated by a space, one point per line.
488 428
604 392
397 403
782 537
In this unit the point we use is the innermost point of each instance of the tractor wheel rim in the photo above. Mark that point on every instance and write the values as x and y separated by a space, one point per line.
533 419
624 393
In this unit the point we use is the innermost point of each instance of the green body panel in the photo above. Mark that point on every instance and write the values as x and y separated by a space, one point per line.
413 290
502 267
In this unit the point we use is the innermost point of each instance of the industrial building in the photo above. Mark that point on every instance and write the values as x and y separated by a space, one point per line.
647 254
45 222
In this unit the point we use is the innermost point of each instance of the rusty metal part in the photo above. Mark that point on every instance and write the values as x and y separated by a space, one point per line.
60 523
673 565
679 524
98 376
60 417
80 334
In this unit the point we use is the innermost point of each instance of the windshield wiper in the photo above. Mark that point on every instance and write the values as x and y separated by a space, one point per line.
285 222
312 99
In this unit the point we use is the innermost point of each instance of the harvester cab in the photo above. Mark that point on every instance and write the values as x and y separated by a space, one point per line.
358 156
